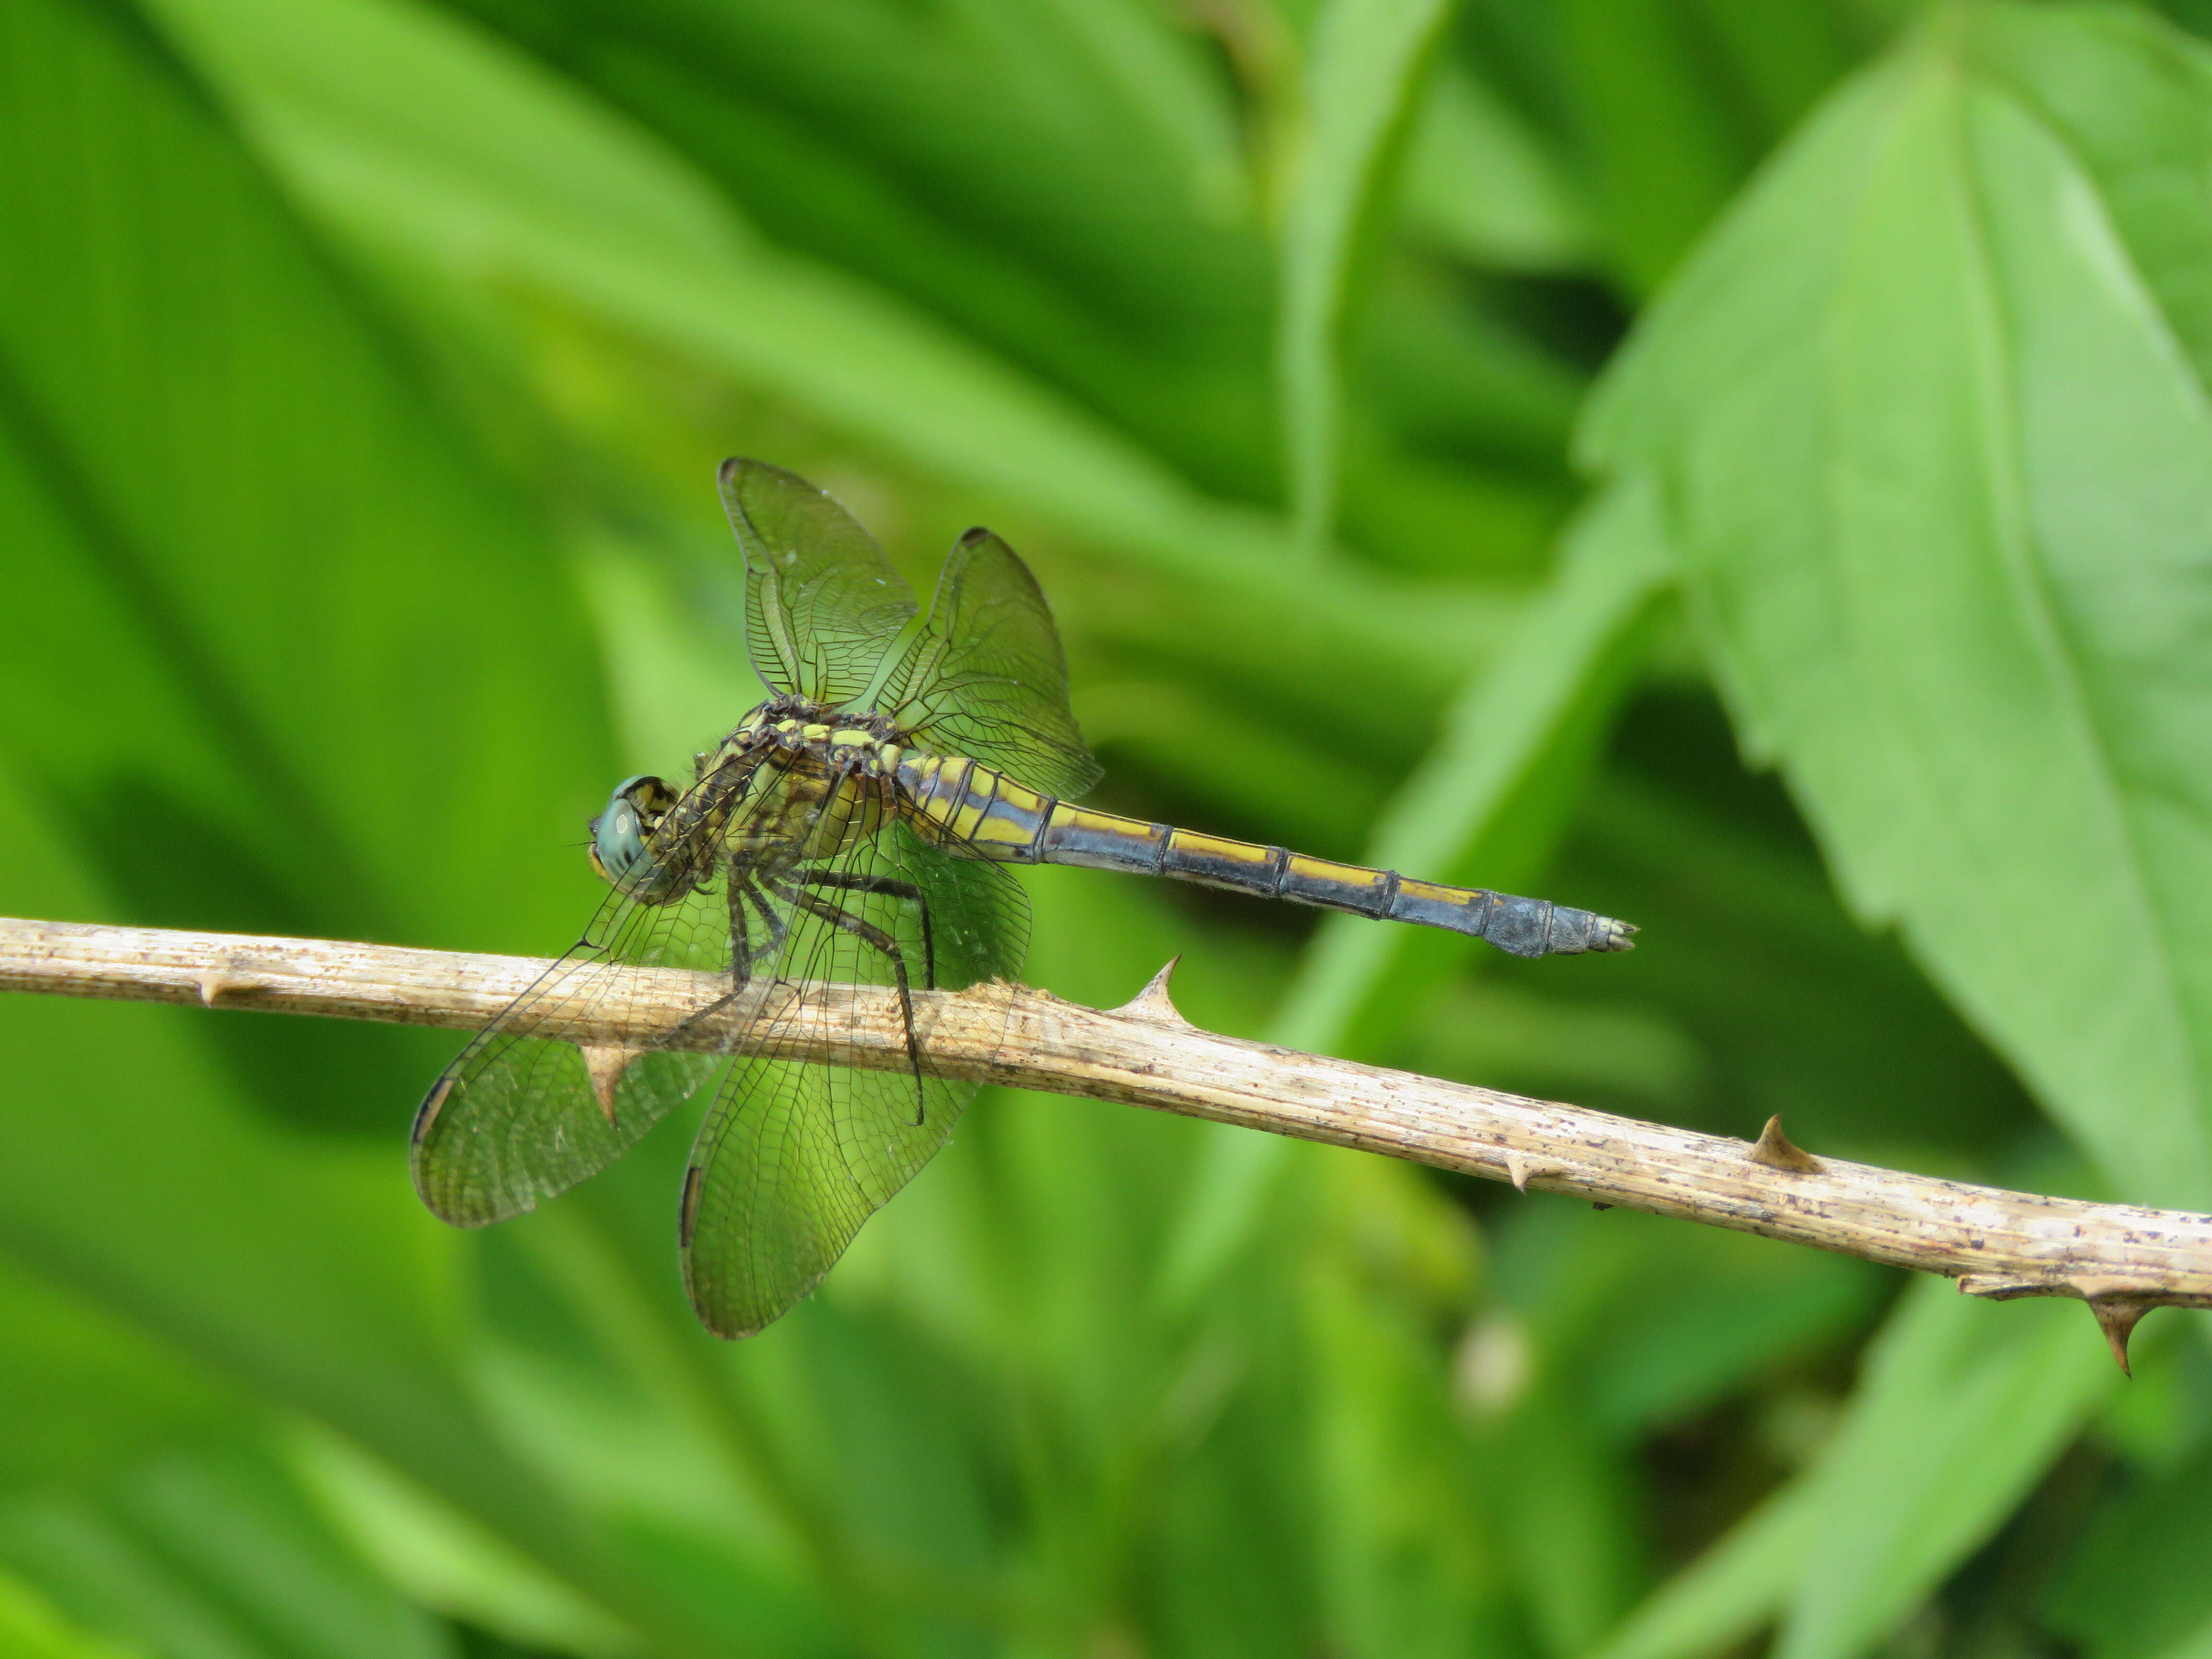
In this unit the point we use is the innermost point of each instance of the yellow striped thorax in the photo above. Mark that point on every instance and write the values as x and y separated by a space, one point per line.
813 781
866 743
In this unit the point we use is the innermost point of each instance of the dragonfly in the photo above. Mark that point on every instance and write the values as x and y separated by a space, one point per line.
856 828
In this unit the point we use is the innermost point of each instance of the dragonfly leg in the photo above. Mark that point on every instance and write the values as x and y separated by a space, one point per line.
744 956
868 933
891 888
742 965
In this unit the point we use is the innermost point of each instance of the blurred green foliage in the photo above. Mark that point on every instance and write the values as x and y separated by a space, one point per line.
362 367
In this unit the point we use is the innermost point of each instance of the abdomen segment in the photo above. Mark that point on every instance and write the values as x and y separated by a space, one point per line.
984 812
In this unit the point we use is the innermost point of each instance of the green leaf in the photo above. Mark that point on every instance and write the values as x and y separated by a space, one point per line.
1007 168
1367 59
256 540
1937 455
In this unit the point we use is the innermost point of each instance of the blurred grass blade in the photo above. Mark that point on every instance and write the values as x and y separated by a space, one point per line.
343 617
1160 75
304 1278
1675 105
1488 186
1963 1406
213 1548
382 700
427 139
32 1628
1960 1411
1731 1591
1930 417
1390 1466
1664 151
441 1558
85 1394
1519 741
2136 1584
1367 62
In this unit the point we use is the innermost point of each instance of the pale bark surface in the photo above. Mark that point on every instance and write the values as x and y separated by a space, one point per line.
2120 1259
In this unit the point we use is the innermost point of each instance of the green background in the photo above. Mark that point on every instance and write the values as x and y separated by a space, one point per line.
1743 468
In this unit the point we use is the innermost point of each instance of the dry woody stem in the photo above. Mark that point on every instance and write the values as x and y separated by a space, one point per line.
2120 1260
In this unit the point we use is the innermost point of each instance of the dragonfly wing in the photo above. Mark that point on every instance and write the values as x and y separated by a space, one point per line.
822 604
795 1156
568 1076
990 679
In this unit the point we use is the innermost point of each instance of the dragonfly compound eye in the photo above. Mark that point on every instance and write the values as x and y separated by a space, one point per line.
619 833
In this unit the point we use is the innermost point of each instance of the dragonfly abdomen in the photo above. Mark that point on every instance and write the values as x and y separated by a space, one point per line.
983 811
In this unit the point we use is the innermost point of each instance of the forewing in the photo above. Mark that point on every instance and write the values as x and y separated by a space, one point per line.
822 604
794 1156
989 679
525 1111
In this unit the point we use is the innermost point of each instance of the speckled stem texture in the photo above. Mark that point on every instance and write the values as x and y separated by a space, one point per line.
2119 1259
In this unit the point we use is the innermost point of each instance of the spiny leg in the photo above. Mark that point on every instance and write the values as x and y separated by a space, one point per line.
741 955
890 887
868 933
745 957
778 928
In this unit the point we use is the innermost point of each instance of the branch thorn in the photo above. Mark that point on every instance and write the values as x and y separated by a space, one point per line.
2117 1318
605 1063
1520 1172
216 983
1153 1002
1775 1151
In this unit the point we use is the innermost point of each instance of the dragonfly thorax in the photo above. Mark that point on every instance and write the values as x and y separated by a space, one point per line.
838 740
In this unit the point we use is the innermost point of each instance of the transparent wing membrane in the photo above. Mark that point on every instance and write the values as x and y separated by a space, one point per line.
988 679
822 604
559 1085
795 1156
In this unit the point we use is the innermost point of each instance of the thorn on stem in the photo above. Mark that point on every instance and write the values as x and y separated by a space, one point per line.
217 981
605 1065
1775 1151
2117 1318
1521 1171
1153 1002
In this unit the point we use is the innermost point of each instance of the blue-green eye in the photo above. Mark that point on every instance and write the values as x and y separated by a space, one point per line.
619 833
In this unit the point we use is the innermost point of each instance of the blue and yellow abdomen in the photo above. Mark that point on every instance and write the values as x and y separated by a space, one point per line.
975 810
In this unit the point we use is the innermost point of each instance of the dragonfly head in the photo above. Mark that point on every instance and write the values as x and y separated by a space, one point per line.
619 834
